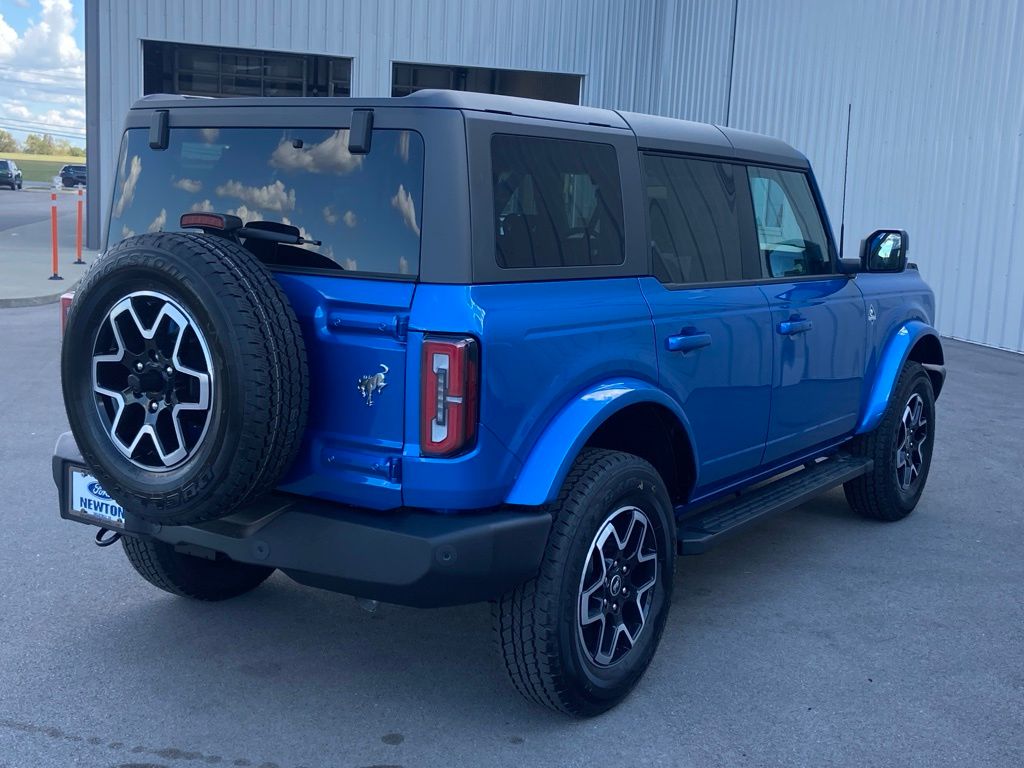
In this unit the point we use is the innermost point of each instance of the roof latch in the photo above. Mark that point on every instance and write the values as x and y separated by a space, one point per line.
159 129
360 132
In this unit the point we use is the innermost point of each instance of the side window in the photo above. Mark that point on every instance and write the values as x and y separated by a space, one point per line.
694 220
789 229
557 203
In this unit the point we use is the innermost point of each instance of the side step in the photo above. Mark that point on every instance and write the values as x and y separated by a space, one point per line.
700 533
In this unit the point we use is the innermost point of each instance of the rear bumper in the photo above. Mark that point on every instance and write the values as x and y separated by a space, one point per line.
409 557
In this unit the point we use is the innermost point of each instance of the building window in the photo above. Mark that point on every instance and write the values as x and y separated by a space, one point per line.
550 86
202 70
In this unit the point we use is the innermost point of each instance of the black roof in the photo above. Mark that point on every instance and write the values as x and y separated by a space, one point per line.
652 132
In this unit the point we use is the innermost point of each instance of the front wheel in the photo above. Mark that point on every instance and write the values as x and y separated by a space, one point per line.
901 447
579 636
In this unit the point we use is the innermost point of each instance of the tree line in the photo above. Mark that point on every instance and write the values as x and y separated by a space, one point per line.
39 144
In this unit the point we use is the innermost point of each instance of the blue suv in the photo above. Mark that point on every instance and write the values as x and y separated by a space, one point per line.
455 347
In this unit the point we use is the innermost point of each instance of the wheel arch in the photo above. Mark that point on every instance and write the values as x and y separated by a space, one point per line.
916 341
626 415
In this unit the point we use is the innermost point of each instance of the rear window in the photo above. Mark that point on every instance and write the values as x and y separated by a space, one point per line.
366 210
557 203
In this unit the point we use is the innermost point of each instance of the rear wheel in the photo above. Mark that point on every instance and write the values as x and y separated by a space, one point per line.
189 576
579 636
901 447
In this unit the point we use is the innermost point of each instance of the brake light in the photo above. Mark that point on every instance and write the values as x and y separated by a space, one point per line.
451 387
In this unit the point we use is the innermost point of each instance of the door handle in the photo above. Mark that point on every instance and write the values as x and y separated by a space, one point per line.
687 342
796 324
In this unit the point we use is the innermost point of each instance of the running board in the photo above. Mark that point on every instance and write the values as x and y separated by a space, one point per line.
700 533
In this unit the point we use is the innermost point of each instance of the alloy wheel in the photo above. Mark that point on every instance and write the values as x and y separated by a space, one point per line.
616 587
911 436
153 380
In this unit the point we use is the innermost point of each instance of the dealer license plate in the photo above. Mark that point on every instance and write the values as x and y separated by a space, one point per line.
88 501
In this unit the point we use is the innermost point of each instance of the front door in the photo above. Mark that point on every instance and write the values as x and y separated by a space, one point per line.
713 332
818 319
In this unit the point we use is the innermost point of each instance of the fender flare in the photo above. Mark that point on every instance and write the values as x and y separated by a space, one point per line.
553 454
891 362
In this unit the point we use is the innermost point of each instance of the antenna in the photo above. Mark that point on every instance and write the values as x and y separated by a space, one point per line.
846 166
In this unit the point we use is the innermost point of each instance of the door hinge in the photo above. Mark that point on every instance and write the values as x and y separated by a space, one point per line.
401 327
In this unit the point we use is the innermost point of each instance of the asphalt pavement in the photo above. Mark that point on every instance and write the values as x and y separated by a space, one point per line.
816 639
26 245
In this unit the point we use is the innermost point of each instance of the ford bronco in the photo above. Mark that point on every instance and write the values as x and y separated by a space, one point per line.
456 347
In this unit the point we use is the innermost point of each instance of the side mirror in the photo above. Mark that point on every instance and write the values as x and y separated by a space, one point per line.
884 250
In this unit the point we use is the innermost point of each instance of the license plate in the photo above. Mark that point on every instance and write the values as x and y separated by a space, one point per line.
88 501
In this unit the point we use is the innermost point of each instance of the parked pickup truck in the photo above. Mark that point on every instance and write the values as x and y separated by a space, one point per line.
456 347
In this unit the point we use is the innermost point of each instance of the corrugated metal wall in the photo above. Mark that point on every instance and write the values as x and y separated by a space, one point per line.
936 92
609 42
934 88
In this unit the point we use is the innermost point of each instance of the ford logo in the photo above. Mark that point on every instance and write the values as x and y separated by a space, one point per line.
97 490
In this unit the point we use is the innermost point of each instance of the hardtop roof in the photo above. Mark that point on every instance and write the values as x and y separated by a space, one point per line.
652 132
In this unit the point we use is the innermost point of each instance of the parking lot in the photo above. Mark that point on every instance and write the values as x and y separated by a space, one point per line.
816 639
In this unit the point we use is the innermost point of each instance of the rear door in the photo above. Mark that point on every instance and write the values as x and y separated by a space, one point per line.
818 317
712 322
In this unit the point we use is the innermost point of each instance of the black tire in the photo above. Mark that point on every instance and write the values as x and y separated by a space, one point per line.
248 434
190 576
538 624
880 494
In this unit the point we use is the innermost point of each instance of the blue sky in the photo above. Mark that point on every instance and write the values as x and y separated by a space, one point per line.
42 68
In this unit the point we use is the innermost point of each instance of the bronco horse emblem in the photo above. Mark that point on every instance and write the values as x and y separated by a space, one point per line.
372 383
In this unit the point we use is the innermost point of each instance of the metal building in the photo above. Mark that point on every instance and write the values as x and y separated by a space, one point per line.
927 92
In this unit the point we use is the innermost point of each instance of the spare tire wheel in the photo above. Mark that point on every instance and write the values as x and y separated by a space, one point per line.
184 376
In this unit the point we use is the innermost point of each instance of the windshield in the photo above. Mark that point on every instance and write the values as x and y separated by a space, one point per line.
364 209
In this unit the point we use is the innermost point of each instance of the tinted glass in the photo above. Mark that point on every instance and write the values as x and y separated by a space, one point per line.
365 209
789 229
556 203
4 166
694 220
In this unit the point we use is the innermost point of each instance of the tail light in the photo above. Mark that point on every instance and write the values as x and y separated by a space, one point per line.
450 395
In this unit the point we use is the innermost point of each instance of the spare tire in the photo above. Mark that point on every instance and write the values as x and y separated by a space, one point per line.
184 376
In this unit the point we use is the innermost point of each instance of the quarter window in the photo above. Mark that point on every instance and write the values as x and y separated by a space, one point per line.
694 222
557 203
790 233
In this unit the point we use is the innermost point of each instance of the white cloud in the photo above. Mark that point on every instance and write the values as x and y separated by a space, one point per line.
403 203
47 67
350 219
403 265
245 214
157 225
130 181
273 197
329 156
403 146
204 206
126 233
351 264
189 185
16 109
329 215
